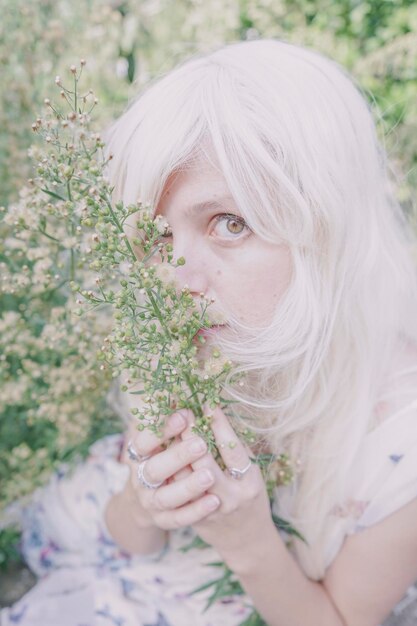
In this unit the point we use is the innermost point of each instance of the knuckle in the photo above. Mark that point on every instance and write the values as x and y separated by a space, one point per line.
203 479
175 424
251 492
236 459
183 452
179 520
162 522
192 487
149 473
158 501
229 506
145 503
209 504
141 448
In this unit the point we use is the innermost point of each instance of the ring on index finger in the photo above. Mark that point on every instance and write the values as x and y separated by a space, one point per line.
133 454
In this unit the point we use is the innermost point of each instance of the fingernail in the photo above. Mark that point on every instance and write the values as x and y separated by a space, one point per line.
205 477
177 420
212 502
198 445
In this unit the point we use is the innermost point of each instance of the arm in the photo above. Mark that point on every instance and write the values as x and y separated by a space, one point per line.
139 518
369 576
127 522
243 533
279 589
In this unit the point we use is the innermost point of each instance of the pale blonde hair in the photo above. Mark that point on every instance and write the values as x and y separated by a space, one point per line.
297 145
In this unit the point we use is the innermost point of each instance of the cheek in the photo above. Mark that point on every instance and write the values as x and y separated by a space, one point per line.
260 299
254 291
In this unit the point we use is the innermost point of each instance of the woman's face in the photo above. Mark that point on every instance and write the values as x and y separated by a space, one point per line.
225 260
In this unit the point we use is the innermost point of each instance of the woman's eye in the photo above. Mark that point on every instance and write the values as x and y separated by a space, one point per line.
230 226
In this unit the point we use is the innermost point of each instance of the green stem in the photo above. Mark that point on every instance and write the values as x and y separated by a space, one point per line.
75 93
118 225
197 410
72 262
43 232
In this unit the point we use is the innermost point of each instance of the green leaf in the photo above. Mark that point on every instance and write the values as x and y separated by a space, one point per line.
282 524
197 542
53 194
254 619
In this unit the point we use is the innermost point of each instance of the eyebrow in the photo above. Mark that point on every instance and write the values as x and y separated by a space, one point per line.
208 205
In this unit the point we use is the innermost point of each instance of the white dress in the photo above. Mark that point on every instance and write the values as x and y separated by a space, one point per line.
86 580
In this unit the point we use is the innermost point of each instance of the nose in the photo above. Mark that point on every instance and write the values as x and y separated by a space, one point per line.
193 268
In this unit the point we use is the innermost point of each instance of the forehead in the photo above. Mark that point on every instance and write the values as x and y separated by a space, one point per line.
199 185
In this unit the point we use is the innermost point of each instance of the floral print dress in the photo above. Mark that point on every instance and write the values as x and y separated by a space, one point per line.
86 580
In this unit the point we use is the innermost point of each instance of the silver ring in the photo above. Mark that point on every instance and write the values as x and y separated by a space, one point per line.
238 474
133 455
143 480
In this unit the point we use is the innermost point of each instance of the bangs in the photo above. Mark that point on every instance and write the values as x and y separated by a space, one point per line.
202 111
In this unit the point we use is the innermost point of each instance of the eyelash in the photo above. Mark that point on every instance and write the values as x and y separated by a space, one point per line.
220 218
225 217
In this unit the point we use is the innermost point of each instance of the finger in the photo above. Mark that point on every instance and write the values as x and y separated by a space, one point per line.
182 492
233 452
185 471
206 461
165 464
189 514
187 432
182 473
147 442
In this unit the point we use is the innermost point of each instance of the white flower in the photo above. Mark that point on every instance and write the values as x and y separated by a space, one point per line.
214 365
216 318
161 224
165 272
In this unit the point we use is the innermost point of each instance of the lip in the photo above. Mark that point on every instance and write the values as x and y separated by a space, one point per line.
209 332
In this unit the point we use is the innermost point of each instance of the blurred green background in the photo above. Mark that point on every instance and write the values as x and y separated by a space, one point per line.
127 44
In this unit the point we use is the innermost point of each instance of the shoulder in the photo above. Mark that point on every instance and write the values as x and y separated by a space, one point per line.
398 390
374 568
383 476
377 560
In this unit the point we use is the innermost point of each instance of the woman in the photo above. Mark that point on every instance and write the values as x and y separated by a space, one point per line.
264 160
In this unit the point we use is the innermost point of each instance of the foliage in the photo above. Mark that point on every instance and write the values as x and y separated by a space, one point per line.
9 547
152 325
53 393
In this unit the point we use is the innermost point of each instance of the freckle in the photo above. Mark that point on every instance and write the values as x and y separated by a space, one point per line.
219 272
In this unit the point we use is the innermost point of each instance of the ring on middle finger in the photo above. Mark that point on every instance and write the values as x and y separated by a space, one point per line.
238 474
142 479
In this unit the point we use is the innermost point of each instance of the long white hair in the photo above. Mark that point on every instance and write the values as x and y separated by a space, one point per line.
297 145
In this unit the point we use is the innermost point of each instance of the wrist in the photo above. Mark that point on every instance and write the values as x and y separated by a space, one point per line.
244 559
132 507
132 530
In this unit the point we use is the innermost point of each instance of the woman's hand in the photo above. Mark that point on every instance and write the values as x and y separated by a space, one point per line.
127 521
181 500
243 520
227 513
